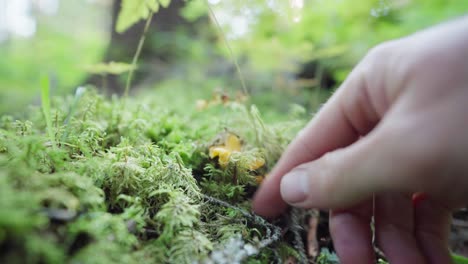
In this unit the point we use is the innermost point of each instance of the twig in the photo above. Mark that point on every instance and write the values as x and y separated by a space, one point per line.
296 229
272 232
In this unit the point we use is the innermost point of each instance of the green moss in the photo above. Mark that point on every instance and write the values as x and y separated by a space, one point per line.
132 182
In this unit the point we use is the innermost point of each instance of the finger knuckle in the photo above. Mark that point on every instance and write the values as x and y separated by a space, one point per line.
328 173
422 157
381 50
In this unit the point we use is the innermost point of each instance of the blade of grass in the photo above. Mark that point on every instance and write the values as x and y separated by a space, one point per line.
71 111
45 100
231 52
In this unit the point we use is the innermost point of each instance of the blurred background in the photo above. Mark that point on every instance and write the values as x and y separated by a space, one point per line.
287 51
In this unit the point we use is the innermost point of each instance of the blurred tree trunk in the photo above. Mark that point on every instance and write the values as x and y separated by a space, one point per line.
122 47
314 71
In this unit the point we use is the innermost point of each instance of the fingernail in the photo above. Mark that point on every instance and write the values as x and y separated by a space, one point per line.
294 187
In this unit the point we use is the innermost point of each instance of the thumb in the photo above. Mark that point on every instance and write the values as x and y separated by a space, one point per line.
347 176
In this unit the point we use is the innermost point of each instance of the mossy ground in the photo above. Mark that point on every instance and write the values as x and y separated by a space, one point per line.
130 180
163 177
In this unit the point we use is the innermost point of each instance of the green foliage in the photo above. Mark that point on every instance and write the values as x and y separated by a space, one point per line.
278 38
327 257
179 213
165 3
65 43
132 11
457 259
189 246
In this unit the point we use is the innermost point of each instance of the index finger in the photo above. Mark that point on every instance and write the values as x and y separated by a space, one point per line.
347 115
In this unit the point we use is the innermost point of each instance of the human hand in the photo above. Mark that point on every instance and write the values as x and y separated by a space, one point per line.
397 126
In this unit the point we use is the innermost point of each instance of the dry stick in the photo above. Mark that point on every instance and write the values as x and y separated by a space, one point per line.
273 232
137 54
312 243
231 53
296 228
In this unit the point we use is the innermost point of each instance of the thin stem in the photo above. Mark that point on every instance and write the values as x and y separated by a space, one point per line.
104 82
231 53
137 54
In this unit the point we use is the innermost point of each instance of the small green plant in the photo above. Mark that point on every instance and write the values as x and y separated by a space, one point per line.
131 12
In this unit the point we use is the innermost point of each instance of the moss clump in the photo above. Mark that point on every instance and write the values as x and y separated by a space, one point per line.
132 181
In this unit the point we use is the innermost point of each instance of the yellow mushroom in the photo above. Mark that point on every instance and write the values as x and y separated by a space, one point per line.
257 163
223 152
232 144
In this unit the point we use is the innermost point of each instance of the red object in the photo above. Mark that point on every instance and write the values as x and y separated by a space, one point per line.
418 198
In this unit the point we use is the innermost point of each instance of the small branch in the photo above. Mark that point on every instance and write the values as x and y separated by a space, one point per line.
296 229
273 232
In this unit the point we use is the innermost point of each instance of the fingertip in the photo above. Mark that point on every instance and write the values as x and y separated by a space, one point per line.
293 187
270 211
268 208
267 201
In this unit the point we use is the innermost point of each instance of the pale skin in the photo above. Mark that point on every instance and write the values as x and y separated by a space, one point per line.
397 126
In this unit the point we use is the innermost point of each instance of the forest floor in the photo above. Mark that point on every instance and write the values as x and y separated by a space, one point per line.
89 179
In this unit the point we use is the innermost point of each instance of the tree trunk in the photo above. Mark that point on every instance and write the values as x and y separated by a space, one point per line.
122 47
